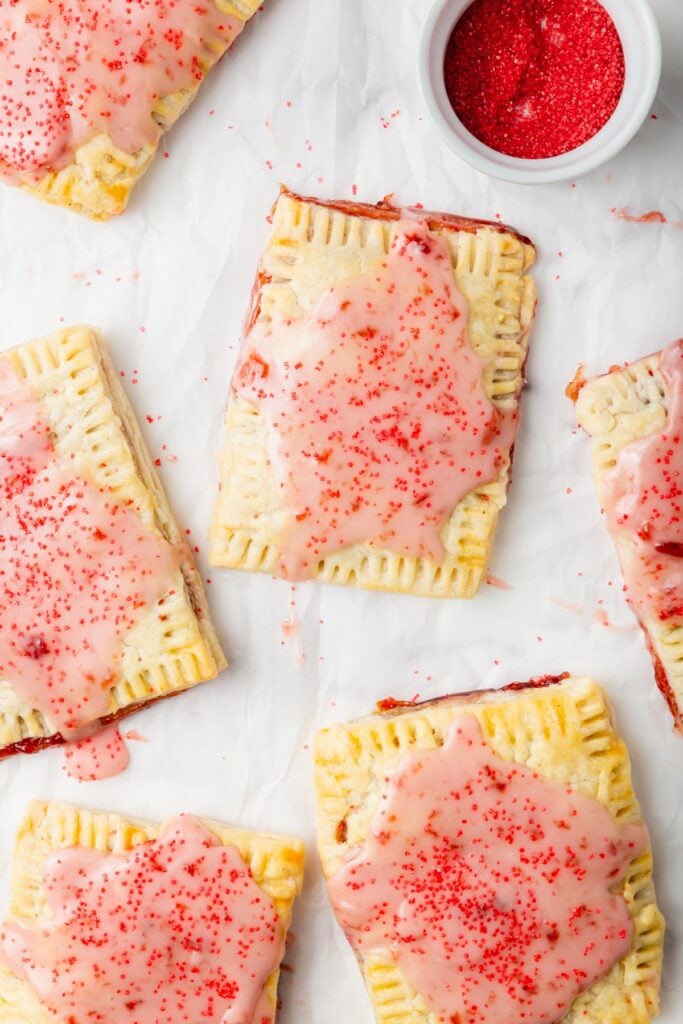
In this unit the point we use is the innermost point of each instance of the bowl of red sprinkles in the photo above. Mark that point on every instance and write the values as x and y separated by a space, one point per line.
535 91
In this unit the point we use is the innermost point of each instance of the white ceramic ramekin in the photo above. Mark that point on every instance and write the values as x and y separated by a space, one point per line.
640 39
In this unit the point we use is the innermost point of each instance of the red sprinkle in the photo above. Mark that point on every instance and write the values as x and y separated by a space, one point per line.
534 78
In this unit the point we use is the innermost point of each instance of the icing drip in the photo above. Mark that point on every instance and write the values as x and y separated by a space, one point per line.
377 418
174 932
643 502
73 69
97 757
488 885
77 572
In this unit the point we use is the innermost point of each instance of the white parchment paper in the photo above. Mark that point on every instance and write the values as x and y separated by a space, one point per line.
322 94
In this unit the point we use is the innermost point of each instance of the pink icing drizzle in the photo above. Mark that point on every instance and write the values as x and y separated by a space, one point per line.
77 571
72 69
488 884
497 582
291 630
133 734
643 502
97 757
377 419
175 932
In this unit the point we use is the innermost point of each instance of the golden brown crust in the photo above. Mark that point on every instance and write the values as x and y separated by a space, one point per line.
312 245
91 418
100 180
563 729
616 408
385 209
276 863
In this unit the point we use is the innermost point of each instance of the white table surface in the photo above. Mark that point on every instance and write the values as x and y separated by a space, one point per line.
323 96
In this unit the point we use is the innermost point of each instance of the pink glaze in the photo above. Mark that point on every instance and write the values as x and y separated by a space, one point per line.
175 932
97 757
291 630
643 503
377 419
497 582
488 885
77 571
603 619
72 69
133 734
568 606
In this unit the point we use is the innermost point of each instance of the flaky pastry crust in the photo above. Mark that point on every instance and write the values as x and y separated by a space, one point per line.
276 864
91 418
99 181
561 728
615 409
312 246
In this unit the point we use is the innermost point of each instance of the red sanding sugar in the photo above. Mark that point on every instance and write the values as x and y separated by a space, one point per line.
534 78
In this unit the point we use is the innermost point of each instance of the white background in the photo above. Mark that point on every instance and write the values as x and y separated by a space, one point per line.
323 96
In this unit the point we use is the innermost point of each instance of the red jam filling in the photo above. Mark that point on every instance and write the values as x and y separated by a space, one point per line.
534 78
492 888
73 69
643 503
175 932
378 423
77 571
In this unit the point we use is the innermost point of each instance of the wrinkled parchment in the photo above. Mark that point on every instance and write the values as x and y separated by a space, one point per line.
324 97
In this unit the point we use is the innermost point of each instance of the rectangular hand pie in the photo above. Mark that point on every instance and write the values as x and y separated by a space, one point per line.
101 608
374 406
112 919
634 416
486 857
89 90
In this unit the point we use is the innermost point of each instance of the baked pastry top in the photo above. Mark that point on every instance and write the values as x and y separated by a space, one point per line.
89 91
374 406
101 607
634 416
193 908
460 839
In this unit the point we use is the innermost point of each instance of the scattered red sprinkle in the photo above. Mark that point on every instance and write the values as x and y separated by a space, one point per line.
57 92
647 509
381 421
77 572
177 928
98 757
490 884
